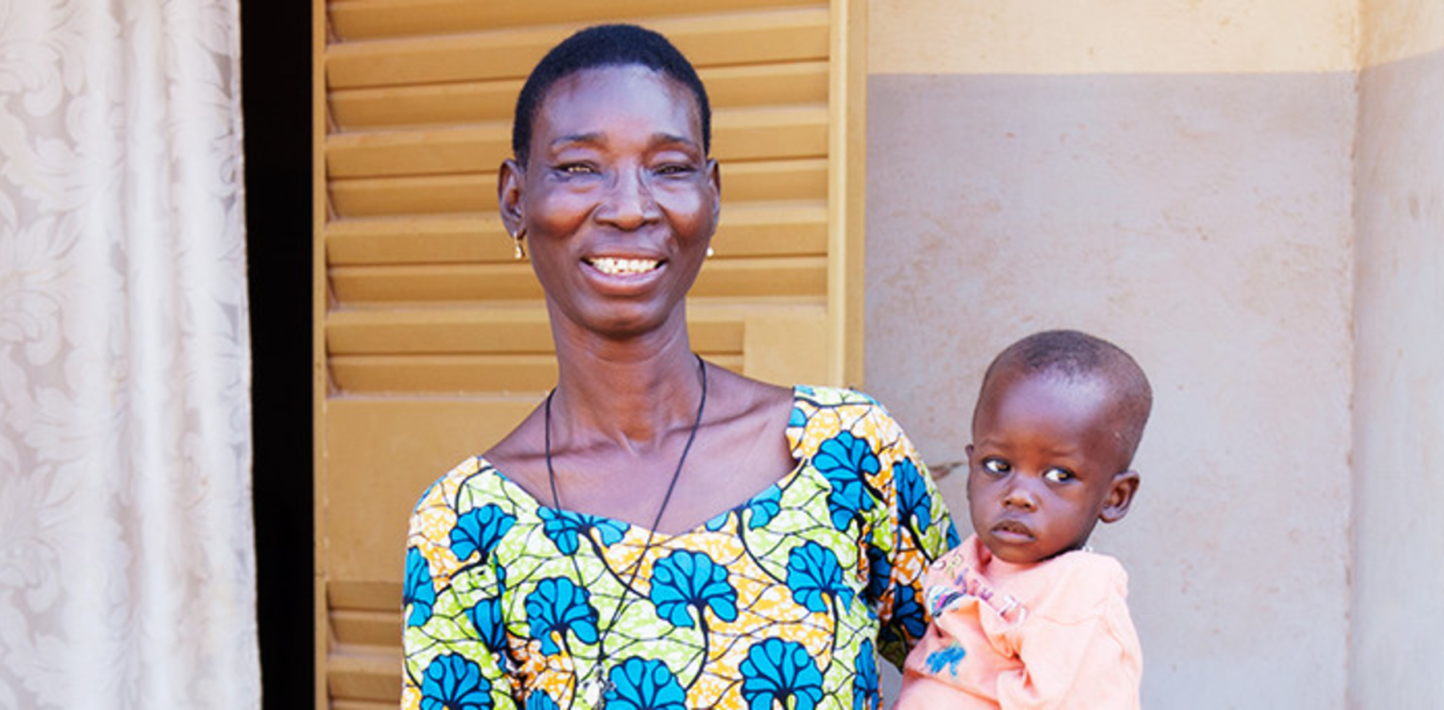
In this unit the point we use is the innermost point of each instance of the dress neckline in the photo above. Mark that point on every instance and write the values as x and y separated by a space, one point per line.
795 436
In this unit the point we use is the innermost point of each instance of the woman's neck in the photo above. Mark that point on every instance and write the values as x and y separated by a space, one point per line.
633 393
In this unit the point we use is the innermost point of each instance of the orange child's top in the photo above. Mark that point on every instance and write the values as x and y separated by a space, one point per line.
1055 634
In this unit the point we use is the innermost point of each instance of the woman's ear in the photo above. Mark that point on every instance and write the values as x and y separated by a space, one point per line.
508 195
714 174
1120 496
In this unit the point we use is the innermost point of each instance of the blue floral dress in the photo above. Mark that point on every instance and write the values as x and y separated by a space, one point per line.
783 601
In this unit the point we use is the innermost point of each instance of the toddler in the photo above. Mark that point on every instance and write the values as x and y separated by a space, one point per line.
1023 616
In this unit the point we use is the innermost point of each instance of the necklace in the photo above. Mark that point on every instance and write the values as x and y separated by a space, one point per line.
598 683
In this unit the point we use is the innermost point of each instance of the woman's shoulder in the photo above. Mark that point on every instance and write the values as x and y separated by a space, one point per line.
825 411
824 395
474 474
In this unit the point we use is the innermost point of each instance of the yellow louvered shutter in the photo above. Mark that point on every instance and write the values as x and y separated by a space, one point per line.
433 342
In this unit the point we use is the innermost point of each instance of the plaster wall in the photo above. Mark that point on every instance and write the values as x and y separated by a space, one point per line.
1176 177
1399 365
1398 29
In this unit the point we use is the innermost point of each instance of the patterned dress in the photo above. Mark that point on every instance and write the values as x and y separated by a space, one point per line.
782 601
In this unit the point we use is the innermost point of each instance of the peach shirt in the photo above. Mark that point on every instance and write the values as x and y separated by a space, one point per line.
1054 634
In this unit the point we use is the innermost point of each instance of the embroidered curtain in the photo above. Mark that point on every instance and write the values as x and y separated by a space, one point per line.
126 550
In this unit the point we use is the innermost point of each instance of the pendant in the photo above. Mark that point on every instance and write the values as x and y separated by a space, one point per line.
594 691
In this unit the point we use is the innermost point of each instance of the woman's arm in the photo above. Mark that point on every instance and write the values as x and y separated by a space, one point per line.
917 529
454 636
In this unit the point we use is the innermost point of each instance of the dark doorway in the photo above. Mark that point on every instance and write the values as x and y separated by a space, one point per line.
276 100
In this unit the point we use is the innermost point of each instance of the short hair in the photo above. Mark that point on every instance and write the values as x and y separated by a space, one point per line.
1075 355
604 46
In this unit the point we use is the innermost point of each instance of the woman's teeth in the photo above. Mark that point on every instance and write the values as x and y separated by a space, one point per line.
624 267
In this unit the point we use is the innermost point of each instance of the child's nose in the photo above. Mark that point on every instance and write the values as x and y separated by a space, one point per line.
1019 496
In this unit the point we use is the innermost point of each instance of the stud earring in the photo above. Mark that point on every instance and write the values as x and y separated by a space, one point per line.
710 252
516 240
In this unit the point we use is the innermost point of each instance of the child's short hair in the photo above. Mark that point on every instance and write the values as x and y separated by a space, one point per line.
1076 355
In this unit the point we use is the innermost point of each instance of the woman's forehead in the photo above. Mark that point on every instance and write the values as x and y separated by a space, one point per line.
599 100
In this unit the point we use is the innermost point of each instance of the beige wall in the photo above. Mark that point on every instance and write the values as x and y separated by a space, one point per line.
1181 178
1399 368
1111 36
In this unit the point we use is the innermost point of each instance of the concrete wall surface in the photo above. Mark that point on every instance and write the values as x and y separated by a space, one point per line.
1178 178
1398 628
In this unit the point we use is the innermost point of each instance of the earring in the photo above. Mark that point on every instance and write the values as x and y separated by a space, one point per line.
516 240
710 252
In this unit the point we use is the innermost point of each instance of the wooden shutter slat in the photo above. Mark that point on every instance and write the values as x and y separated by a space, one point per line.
425 104
366 197
361 19
417 152
364 673
371 627
374 595
802 82
713 40
439 238
354 704
770 133
445 282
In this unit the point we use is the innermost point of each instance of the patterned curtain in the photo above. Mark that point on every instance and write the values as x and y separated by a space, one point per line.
127 563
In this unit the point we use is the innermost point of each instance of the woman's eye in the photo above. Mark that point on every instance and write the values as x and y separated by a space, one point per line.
1059 475
674 169
996 466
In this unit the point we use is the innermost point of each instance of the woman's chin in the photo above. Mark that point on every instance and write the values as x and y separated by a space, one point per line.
630 321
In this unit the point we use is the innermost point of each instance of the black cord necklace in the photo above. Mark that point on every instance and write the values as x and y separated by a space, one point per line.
597 682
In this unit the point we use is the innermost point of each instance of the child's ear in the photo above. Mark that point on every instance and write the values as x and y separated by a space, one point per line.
1120 496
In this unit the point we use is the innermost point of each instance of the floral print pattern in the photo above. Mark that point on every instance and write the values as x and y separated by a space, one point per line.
780 673
687 580
452 682
787 598
639 684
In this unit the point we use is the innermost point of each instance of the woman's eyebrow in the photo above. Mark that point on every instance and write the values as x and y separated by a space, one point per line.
659 138
670 138
577 138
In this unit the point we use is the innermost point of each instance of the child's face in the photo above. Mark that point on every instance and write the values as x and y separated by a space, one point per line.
1045 465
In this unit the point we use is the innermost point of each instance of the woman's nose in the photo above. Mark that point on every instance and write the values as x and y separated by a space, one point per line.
629 202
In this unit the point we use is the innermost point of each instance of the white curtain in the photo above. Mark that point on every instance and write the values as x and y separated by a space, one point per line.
127 564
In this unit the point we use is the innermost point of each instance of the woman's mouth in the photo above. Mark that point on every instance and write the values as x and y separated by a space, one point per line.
613 266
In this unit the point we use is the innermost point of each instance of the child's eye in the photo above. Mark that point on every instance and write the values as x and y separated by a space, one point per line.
1059 475
996 465
576 169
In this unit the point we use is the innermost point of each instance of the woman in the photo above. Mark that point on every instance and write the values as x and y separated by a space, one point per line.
660 532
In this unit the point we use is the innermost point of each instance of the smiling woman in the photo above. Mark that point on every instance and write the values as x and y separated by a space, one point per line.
660 532
618 197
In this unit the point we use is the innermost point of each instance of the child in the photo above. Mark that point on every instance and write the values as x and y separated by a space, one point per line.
1022 615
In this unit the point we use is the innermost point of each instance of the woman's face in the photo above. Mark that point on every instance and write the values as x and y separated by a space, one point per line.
618 198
